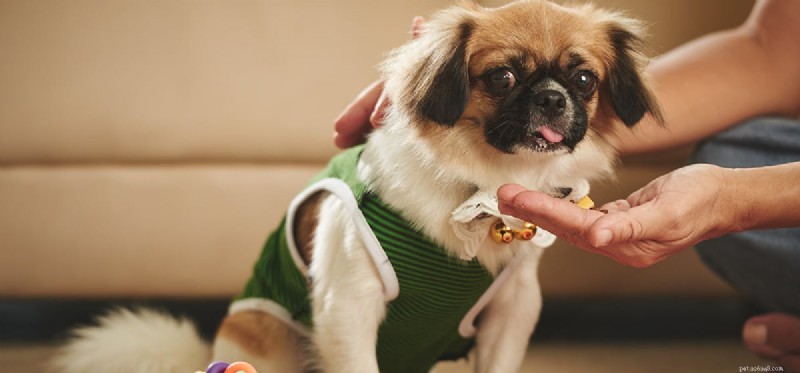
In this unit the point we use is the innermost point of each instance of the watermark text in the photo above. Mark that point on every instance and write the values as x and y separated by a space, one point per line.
760 368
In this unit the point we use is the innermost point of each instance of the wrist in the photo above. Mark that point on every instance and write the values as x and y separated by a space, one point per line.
720 209
735 195
764 197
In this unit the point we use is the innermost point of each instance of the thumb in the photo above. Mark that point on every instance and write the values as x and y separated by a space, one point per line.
560 217
634 224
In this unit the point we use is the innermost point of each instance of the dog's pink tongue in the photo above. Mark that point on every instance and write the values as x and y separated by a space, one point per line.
552 136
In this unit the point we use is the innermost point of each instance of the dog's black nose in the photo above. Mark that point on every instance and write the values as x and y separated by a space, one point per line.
551 102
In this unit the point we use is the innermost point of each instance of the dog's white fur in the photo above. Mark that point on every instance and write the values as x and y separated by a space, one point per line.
138 341
347 294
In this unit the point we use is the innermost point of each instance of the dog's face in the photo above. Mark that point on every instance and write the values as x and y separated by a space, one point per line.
532 77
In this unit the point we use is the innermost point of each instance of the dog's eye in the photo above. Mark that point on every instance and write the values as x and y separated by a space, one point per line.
585 82
500 82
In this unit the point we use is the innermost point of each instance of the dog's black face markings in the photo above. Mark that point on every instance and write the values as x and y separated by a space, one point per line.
523 111
629 96
447 97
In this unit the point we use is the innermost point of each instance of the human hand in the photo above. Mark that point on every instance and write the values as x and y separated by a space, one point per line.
358 119
368 108
668 215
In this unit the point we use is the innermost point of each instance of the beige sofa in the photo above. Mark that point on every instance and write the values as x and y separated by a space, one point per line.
148 146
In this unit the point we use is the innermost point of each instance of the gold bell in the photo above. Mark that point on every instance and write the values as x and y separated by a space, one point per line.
504 234
526 233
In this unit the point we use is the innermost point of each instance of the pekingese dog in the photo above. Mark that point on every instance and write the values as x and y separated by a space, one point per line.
396 257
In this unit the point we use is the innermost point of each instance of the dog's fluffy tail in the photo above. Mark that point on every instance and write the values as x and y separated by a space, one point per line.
134 341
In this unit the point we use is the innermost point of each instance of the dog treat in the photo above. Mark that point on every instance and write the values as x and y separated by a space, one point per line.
585 203
588 204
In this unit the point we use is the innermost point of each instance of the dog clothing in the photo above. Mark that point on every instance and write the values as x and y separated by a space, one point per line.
428 291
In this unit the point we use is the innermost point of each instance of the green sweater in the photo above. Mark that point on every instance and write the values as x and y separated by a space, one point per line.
436 289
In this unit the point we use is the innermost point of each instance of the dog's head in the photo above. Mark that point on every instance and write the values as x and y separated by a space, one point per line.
530 78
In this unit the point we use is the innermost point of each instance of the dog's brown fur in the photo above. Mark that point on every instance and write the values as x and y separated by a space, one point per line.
607 43
305 222
262 335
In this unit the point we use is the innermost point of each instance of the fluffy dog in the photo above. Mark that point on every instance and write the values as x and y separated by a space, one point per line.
389 255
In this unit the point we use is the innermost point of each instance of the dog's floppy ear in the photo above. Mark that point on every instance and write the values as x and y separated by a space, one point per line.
446 97
434 68
628 90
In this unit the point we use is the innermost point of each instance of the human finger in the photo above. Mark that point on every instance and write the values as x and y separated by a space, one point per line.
383 103
353 123
560 217
626 225
379 114
368 109
616 206
417 26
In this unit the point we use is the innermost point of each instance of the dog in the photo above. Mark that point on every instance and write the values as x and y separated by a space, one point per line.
396 257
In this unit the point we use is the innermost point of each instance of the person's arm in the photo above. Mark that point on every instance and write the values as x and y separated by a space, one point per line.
670 214
766 197
724 78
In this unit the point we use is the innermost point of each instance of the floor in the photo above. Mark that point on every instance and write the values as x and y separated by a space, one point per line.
680 357
723 356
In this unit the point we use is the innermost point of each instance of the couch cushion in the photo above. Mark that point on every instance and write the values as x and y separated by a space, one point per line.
138 231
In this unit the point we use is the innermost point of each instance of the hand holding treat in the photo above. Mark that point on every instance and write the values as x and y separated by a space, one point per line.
671 213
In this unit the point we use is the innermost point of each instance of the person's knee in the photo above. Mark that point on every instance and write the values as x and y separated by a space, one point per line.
764 265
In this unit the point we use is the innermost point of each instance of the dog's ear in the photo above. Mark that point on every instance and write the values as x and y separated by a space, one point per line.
629 93
434 83
446 97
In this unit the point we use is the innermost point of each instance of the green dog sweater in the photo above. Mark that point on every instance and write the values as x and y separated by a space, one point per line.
436 290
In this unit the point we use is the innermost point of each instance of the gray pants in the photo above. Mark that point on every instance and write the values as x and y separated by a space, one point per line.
763 264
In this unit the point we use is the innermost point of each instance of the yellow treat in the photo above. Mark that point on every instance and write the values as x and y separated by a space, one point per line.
585 203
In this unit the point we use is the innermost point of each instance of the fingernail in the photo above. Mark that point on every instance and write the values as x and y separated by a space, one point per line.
603 238
755 334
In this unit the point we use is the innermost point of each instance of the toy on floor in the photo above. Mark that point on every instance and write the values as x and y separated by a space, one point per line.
237 367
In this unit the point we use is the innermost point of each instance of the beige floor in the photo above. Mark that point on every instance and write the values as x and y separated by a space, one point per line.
678 357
